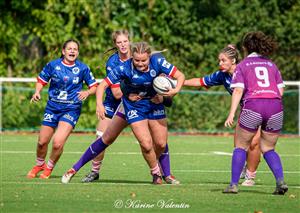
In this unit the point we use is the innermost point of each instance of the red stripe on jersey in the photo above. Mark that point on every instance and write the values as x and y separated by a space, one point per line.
108 81
93 85
41 81
115 86
174 69
202 83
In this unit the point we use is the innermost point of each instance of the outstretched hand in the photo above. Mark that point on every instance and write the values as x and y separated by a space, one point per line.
35 97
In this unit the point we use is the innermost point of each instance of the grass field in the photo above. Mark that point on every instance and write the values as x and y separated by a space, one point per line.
201 163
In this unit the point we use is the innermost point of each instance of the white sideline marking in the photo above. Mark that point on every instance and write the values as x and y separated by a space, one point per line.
134 184
139 153
223 153
227 171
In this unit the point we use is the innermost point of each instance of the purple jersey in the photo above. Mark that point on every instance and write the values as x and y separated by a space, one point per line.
258 76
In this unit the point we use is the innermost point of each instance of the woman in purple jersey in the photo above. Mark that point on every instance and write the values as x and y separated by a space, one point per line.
66 76
228 60
257 83
147 123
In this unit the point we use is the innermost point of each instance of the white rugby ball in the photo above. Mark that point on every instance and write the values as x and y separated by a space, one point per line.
162 84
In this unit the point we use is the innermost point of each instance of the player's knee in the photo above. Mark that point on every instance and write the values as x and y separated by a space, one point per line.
146 148
57 146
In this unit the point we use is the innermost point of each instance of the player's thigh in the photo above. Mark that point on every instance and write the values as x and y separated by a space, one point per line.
45 135
103 124
113 130
142 133
268 141
242 137
256 140
159 131
62 133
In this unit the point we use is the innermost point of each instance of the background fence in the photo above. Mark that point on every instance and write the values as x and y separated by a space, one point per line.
193 110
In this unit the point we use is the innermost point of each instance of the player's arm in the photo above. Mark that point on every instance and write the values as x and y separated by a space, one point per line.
235 101
179 76
100 110
38 88
193 82
82 95
116 91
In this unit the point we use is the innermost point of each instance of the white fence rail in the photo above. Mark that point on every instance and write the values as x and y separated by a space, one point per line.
32 80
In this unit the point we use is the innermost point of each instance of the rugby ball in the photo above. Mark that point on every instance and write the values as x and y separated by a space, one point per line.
162 84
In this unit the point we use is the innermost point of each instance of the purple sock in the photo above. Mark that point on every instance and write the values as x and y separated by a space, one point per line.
164 161
94 149
274 162
237 164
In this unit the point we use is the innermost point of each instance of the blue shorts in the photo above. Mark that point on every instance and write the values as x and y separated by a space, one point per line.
110 108
143 109
267 113
53 115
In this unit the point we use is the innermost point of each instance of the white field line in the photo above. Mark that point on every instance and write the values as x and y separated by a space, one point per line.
139 153
227 171
131 184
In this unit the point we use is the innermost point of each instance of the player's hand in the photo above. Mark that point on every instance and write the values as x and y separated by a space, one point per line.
100 111
134 97
171 92
82 95
35 97
157 99
229 121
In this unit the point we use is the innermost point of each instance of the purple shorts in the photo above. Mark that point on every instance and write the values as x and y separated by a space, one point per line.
267 113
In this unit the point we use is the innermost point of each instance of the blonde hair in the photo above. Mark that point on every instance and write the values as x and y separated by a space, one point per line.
114 37
144 47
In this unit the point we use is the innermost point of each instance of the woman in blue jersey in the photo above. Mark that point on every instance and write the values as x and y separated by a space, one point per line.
66 76
146 119
113 96
121 42
228 60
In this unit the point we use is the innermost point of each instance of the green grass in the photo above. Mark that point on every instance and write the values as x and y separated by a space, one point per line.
125 178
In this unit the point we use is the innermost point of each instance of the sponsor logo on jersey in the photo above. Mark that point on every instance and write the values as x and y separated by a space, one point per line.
107 108
48 117
69 117
270 64
108 68
66 78
121 68
158 112
152 73
75 80
75 70
57 68
135 76
132 114
92 76
166 64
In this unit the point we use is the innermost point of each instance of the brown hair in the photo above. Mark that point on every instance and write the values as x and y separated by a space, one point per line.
67 42
259 42
231 51
141 47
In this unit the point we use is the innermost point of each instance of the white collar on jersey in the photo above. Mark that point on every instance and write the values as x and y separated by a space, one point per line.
254 54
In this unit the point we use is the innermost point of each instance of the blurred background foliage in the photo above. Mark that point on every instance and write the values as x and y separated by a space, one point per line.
193 31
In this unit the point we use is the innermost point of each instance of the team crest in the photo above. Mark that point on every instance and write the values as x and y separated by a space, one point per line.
75 70
152 73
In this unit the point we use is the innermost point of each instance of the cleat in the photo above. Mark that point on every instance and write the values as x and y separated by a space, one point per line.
244 172
171 180
35 170
66 178
90 177
46 173
281 188
248 182
233 189
157 179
